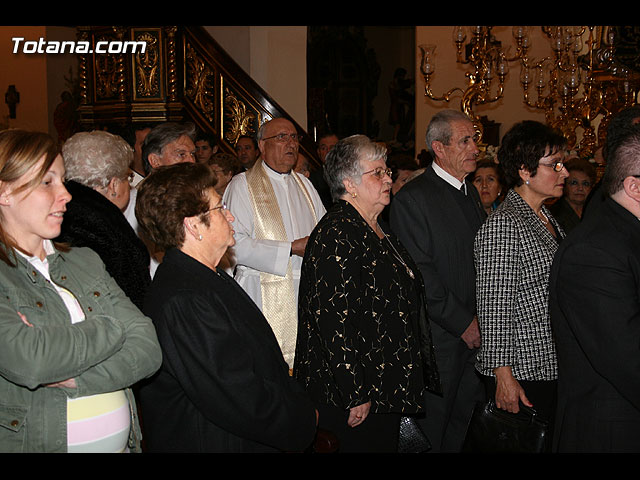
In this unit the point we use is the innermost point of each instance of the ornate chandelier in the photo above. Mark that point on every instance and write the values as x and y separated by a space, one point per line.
489 67
581 85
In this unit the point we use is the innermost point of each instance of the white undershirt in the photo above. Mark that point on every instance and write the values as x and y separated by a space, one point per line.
447 177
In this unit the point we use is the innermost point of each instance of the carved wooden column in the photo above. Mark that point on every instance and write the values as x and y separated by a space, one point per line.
140 85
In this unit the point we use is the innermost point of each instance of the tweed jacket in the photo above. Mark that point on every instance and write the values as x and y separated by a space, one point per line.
513 256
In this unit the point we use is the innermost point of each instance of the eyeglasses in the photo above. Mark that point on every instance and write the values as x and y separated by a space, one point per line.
222 207
380 172
557 166
575 183
283 137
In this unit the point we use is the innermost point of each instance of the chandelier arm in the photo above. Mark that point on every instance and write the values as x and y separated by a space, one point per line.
444 97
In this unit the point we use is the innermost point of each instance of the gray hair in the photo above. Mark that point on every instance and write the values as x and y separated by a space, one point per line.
343 161
162 135
261 130
263 127
94 158
439 129
622 161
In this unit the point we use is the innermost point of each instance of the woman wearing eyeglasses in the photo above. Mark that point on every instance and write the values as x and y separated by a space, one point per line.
223 385
577 187
514 250
364 351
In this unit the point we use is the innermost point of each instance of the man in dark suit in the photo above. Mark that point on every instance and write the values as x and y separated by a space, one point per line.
594 298
436 216
325 143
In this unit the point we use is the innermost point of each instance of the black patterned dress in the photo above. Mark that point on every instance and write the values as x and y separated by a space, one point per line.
362 329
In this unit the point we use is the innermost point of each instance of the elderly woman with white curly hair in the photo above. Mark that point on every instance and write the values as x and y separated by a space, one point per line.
97 170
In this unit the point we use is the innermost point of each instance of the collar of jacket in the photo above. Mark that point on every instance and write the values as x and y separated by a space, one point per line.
30 271
516 202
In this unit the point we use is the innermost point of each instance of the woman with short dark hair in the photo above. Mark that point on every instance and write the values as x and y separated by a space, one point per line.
224 385
514 250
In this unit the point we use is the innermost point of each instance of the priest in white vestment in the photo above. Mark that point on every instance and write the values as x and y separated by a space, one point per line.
275 210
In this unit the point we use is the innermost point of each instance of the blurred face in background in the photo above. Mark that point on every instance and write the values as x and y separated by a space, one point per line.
577 187
325 144
203 151
247 152
487 183
401 179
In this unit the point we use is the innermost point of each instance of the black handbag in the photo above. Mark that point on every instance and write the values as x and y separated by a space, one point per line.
493 430
411 437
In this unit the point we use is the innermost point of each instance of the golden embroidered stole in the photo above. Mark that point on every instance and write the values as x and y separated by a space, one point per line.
278 293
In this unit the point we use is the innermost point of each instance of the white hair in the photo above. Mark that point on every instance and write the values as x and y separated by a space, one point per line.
94 158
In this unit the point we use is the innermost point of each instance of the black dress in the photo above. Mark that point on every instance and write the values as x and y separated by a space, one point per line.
362 334
223 385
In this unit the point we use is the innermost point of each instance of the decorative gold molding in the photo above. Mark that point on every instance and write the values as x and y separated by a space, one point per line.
82 71
147 66
199 83
237 119
172 70
107 73
178 77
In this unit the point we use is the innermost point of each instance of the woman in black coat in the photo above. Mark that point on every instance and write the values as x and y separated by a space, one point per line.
364 349
97 169
223 385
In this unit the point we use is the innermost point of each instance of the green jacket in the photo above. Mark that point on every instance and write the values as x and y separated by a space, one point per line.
114 347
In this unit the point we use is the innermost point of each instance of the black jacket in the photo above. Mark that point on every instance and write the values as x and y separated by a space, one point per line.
363 334
93 221
223 385
595 315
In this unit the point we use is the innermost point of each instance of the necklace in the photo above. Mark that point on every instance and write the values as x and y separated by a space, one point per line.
397 255
546 219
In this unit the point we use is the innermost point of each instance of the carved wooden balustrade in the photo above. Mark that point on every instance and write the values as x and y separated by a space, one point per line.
183 75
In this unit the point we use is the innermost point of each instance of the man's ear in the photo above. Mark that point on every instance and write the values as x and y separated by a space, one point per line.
154 160
437 147
631 187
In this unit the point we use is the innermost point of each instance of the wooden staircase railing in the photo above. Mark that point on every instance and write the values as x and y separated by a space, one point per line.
183 75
